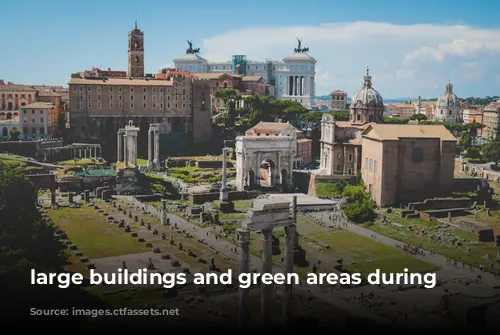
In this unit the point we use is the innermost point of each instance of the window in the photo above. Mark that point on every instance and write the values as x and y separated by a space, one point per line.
154 89
366 163
42 130
161 89
154 97
131 89
119 98
131 105
349 171
161 106
25 130
33 120
81 97
145 98
131 98
99 89
33 131
349 157
120 105
417 155
90 97
370 189
144 105
176 106
41 112
375 167
81 88
168 90
81 104
154 105
41 119
110 97
168 105
338 155
99 97
110 105
183 105
371 165
98 105
24 111
111 88
74 89
161 97
168 97
89 88
120 89
90 105
144 90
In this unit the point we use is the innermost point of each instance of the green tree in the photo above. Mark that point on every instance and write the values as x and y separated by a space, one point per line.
419 117
359 207
14 134
340 116
229 97
491 151
473 152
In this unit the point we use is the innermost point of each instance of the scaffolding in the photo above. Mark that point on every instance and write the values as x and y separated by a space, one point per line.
240 60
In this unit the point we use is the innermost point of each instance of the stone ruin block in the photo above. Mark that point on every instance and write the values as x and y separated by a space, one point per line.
141 239
486 235
194 210
165 256
78 254
84 260
73 247
134 234
90 266
156 250
148 245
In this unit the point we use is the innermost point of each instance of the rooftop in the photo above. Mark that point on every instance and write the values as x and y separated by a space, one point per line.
121 82
16 88
40 105
384 132
270 126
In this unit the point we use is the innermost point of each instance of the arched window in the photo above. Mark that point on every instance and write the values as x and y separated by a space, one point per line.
9 116
5 132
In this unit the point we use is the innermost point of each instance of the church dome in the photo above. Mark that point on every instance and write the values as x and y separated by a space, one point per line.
367 95
448 99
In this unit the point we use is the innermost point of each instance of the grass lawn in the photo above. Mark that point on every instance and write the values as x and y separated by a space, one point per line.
198 158
241 208
475 257
361 254
94 237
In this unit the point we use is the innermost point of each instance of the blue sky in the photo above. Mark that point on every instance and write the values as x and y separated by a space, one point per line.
412 47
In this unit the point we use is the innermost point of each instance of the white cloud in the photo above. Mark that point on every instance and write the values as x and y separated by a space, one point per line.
404 74
428 54
469 72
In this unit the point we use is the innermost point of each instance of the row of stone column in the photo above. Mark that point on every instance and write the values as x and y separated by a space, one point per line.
154 145
297 85
127 145
70 152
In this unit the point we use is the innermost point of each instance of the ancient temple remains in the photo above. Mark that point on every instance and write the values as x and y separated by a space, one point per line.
127 145
75 150
265 216
154 146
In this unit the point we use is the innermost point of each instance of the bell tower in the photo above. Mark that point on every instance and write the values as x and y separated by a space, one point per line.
136 53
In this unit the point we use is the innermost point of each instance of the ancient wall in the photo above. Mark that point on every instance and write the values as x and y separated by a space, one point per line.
462 185
440 203
470 227
28 149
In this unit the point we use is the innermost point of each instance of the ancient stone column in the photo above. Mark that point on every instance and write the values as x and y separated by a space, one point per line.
288 290
150 148
70 197
163 212
86 196
53 200
294 220
119 153
223 190
125 150
267 267
156 156
134 147
244 267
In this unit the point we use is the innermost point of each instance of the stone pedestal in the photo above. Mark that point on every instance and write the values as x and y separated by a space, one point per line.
164 213
86 196
226 206
130 181
53 201
70 197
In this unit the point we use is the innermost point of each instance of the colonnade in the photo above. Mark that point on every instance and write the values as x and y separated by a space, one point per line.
297 86
265 216
127 145
154 146
79 151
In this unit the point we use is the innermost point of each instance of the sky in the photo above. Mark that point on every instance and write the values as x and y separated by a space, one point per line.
412 48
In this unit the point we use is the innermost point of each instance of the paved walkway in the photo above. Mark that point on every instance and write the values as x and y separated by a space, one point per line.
446 271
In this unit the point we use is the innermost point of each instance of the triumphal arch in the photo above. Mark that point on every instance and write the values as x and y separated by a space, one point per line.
264 161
